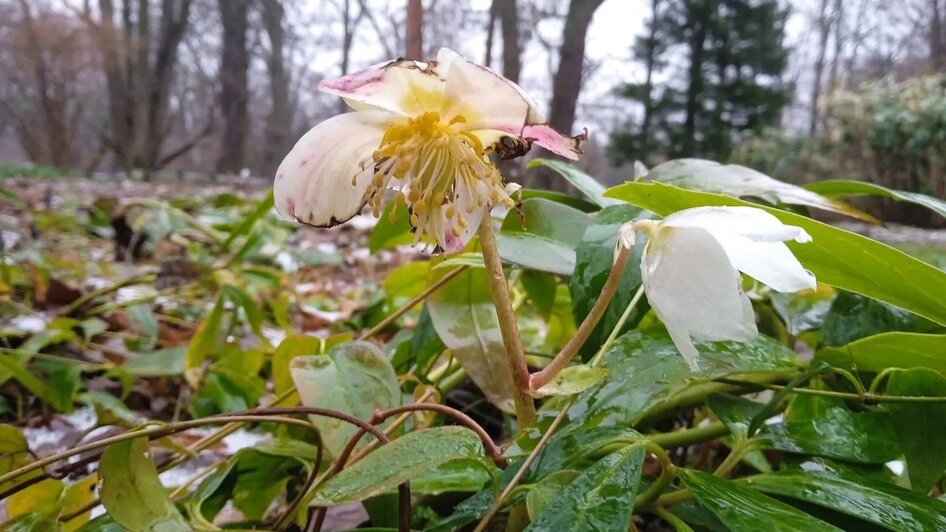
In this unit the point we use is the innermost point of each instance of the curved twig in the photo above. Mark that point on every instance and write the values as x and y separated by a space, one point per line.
493 450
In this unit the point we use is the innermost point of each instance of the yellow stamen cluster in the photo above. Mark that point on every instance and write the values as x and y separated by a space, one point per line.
440 171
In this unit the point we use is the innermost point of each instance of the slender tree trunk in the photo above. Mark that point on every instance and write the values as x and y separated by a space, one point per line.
509 18
695 83
279 121
648 96
490 34
140 81
566 84
174 18
824 33
234 88
119 137
414 40
937 36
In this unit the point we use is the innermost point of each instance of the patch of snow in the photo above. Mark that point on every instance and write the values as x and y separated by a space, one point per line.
286 262
28 323
327 315
896 466
326 247
10 238
131 293
81 420
274 335
362 222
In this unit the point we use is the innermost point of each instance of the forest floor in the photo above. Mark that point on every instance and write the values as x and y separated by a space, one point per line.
62 243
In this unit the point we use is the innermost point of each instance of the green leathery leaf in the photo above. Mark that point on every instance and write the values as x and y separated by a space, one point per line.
820 426
355 378
558 197
542 236
734 411
647 371
573 379
161 363
205 342
740 181
545 491
594 258
405 458
260 209
292 346
836 257
920 427
842 187
889 350
852 317
877 502
540 288
743 509
204 503
463 315
131 491
461 475
391 231
586 184
601 498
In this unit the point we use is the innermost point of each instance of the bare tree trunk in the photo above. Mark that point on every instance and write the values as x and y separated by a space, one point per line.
648 99
824 33
139 76
937 36
174 16
566 84
234 85
279 121
414 41
490 34
509 18
56 146
120 138
695 81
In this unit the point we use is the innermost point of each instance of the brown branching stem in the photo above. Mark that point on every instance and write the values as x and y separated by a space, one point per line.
515 354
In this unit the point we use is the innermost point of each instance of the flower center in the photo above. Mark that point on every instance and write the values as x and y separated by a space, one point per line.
439 171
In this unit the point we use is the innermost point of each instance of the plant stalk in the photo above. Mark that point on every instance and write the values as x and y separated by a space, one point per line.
568 352
515 354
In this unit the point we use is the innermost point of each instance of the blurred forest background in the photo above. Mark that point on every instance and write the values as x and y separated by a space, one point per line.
800 89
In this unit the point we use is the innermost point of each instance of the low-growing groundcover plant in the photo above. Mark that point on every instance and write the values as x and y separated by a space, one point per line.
660 355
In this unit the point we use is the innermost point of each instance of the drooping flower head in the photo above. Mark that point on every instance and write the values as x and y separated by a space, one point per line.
691 263
421 134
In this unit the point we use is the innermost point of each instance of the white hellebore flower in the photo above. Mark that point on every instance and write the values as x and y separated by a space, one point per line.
421 134
691 263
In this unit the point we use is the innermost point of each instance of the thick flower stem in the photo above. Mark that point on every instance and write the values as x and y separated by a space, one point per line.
565 356
515 355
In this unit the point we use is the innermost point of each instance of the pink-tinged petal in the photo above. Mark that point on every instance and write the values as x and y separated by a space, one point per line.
544 135
314 183
473 217
408 88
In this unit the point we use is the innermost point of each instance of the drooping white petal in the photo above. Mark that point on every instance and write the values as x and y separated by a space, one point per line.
693 288
314 182
754 224
770 263
404 87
